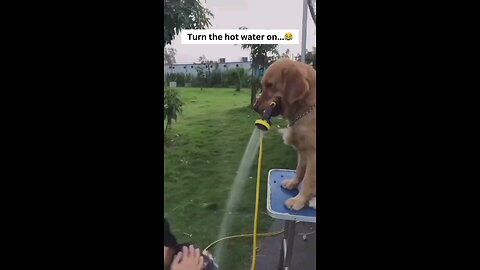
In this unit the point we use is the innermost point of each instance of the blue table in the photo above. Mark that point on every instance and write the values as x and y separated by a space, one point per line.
276 197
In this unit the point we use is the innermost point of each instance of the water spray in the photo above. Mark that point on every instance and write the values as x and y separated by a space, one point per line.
263 125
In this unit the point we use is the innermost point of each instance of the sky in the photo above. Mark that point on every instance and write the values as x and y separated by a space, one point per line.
254 14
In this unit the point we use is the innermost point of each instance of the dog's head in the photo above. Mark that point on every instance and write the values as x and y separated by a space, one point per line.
288 81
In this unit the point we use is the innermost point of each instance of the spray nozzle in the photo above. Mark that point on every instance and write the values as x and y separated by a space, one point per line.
264 123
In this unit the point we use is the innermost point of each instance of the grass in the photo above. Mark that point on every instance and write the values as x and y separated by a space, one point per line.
202 154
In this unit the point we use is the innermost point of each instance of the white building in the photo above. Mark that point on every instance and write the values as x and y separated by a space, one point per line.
191 68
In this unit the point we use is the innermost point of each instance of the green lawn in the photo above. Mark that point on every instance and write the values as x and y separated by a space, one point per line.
203 152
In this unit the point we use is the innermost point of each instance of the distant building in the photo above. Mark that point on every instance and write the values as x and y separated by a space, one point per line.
191 68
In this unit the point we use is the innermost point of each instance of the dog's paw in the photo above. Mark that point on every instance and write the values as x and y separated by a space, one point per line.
295 203
313 203
290 184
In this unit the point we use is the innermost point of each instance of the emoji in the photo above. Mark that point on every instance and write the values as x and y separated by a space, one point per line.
288 36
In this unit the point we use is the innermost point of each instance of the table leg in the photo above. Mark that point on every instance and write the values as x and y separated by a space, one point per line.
281 266
289 244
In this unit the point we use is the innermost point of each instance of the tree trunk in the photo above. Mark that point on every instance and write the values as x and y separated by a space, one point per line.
239 82
253 94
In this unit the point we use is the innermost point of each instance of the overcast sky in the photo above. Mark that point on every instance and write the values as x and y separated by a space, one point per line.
254 14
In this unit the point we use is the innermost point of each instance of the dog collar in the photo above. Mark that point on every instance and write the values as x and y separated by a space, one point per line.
302 115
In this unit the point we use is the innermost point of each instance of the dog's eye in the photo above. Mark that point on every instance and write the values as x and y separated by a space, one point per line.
268 85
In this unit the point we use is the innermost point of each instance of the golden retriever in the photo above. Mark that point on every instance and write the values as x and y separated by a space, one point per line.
294 85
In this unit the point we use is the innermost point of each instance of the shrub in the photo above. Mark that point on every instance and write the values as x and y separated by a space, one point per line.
188 78
172 107
215 79
237 77
180 79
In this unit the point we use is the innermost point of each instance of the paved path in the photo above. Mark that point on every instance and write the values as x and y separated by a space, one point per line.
304 252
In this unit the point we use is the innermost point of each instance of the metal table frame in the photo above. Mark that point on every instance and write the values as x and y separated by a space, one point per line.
290 217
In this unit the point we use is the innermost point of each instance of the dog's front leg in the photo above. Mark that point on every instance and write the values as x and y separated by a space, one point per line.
299 174
308 189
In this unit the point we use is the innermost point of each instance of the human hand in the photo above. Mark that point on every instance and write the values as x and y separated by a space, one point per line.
165 252
188 259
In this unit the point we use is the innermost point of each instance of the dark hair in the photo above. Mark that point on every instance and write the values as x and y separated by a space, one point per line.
178 247
168 239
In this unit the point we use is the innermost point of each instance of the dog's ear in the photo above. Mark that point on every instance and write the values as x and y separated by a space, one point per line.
296 84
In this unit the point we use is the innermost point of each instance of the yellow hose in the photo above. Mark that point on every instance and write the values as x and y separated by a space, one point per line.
243 235
257 200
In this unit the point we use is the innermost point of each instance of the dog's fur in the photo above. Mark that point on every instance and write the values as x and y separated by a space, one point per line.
294 83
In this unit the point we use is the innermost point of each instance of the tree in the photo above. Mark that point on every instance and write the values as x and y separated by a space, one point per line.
204 61
200 76
169 55
310 57
188 78
183 14
262 56
209 65
239 72
298 57
178 15
172 107
286 54
237 77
